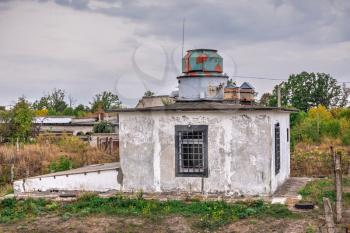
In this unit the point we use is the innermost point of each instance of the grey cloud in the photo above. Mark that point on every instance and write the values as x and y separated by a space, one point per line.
75 4
271 38
236 20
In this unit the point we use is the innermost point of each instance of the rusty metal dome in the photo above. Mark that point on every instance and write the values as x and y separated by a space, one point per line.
202 62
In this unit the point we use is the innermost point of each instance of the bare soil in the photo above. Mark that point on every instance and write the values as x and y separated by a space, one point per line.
172 224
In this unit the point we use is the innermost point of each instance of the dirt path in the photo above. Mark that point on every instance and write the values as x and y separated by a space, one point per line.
174 224
291 187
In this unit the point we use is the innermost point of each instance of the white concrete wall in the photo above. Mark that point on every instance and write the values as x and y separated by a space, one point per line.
283 175
91 181
75 129
240 151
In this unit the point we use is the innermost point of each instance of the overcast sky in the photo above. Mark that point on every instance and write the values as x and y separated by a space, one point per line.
127 46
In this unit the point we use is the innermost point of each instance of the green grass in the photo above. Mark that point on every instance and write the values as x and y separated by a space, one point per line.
314 191
208 215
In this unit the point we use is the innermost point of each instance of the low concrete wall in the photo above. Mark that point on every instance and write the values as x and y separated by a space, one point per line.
98 181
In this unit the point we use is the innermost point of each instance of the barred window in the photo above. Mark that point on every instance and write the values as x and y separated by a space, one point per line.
191 150
277 148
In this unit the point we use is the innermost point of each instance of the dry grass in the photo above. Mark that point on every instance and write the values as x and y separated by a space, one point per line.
34 159
316 159
5 189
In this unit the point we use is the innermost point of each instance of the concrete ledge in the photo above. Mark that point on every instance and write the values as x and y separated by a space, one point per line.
96 178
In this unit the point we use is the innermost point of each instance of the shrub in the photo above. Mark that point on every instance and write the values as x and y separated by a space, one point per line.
314 191
103 127
330 128
62 164
346 137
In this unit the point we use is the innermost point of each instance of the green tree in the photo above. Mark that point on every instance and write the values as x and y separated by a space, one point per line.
148 94
18 122
306 90
5 129
54 102
57 100
105 101
69 111
265 99
81 110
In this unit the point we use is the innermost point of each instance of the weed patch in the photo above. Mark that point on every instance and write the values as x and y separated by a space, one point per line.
314 191
210 215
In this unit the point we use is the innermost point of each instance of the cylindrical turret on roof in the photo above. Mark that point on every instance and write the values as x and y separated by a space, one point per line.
202 77
202 61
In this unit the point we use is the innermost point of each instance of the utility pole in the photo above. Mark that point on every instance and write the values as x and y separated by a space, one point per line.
279 101
279 96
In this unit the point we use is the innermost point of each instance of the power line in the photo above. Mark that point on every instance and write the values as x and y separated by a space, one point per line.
272 79
264 78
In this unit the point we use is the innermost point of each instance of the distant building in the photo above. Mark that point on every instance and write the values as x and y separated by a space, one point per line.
245 94
70 125
232 93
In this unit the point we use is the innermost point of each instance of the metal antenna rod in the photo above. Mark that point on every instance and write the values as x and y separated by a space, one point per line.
183 36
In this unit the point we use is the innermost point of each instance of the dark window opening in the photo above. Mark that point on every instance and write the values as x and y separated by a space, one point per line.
277 148
191 150
287 134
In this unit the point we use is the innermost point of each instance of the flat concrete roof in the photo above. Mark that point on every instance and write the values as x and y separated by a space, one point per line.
86 169
205 106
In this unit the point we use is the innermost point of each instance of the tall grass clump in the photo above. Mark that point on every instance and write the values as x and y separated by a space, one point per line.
312 135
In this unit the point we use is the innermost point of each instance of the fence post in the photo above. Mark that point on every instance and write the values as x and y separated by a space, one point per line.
338 186
329 216
12 173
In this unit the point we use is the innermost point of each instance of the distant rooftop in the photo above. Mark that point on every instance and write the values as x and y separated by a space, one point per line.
246 85
231 85
53 120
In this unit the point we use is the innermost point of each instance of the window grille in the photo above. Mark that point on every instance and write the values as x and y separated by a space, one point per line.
277 148
191 150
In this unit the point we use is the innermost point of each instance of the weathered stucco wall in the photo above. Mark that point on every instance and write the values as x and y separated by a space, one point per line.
240 152
277 180
91 181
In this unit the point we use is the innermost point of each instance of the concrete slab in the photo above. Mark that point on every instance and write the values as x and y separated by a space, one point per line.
288 192
279 200
86 169
92 178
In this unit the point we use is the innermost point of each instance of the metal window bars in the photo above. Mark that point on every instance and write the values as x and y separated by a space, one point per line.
277 148
191 152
